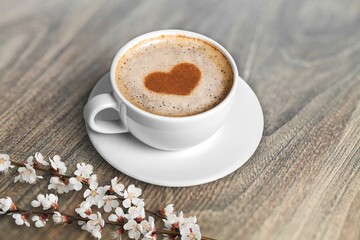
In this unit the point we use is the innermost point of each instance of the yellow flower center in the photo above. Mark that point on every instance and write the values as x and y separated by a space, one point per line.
2 160
192 236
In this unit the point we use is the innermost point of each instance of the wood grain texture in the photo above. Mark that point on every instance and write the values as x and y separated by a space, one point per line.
302 58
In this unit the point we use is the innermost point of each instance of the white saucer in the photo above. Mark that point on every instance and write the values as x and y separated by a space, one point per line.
217 157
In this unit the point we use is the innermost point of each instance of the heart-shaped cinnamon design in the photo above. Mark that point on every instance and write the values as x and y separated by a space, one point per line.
181 80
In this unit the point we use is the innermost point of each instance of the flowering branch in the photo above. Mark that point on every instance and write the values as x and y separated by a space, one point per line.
71 218
41 169
125 207
63 176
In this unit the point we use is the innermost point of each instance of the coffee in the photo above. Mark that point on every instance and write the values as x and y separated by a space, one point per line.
174 75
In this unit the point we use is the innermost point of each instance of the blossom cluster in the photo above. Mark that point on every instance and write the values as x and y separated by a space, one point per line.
112 204
177 222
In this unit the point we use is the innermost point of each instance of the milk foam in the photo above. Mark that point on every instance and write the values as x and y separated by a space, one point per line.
162 54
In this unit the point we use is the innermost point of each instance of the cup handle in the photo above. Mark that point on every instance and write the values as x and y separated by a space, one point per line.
99 103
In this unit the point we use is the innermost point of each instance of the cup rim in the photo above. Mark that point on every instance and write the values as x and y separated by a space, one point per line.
186 33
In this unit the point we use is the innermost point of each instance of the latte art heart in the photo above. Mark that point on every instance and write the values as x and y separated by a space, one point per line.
181 80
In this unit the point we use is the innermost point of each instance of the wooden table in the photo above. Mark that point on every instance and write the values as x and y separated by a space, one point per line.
302 59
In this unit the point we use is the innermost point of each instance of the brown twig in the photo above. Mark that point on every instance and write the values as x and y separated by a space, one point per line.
41 169
75 218
156 214
72 218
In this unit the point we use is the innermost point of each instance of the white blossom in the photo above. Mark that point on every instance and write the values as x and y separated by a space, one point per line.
47 202
117 187
82 174
29 161
76 182
131 196
108 202
40 159
5 163
95 225
21 219
148 229
59 186
93 185
27 174
84 210
133 229
40 198
188 228
168 210
135 212
84 170
6 204
59 218
83 225
172 221
40 221
94 194
92 181
190 231
186 221
53 200
58 165
118 216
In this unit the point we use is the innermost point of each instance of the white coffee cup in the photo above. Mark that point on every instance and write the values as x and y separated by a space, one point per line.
162 132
